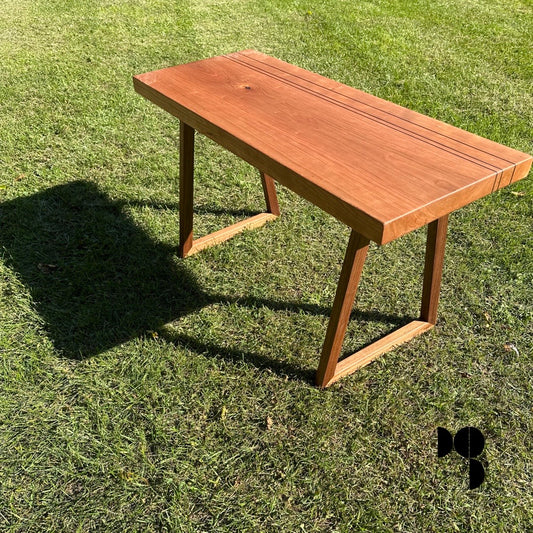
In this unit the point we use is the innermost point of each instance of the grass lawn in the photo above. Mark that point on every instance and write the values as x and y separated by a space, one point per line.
142 392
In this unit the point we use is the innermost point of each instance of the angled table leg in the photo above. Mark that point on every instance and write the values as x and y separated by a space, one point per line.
436 241
188 245
330 369
271 198
352 267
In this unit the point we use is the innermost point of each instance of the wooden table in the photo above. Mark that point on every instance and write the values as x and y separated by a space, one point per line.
381 169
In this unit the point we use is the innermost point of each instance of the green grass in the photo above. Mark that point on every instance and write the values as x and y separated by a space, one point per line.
141 392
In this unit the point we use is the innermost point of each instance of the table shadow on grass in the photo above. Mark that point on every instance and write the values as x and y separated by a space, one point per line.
97 279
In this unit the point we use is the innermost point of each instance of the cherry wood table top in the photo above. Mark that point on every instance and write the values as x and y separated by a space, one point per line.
380 168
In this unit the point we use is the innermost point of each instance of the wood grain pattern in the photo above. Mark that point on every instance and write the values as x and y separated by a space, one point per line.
378 167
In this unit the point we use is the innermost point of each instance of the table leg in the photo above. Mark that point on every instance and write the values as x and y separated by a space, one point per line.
436 241
271 198
352 267
187 245
330 369
186 187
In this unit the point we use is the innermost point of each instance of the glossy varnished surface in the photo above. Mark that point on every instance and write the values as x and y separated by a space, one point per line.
376 166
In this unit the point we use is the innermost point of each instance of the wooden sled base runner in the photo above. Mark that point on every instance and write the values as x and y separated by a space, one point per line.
188 246
379 168
330 369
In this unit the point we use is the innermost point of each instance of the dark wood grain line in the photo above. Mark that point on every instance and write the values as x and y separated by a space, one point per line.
499 180
512 176
494 187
